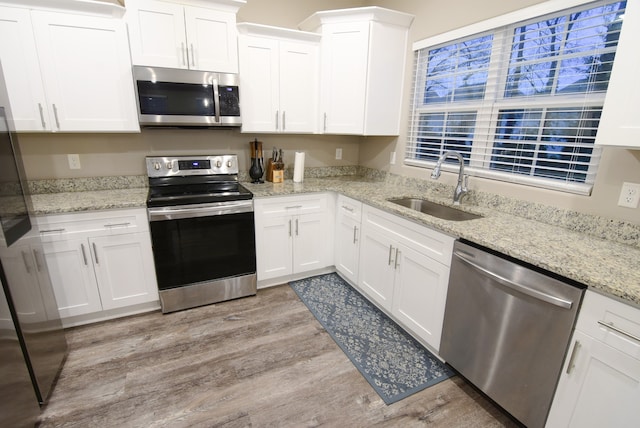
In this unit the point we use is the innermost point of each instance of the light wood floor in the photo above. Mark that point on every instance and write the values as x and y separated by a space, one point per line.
261 361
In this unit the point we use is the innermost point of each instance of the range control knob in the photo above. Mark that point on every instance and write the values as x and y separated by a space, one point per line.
229 163
169 165
218 163
157 166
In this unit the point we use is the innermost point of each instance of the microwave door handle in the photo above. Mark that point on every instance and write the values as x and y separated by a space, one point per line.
216 99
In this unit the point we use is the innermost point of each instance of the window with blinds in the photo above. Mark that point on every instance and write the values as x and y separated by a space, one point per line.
521 103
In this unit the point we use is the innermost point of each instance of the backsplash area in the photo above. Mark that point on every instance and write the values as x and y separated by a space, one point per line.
593 225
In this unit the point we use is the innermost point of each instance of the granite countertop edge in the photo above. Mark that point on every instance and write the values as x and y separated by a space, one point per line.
604 266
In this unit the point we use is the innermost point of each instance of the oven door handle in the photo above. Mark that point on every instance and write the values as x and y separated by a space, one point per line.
199 210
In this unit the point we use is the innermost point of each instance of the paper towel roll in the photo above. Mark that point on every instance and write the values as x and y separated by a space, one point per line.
298 167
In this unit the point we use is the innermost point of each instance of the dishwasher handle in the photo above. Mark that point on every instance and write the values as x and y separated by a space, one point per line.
545 297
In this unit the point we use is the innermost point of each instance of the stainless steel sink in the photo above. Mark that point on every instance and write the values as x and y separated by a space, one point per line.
431 208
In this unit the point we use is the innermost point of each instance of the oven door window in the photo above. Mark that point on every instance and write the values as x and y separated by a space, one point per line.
177 99
192 250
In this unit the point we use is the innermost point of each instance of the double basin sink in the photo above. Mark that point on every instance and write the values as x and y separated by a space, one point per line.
437 210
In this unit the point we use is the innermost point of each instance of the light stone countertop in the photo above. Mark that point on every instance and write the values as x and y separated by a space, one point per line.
603 265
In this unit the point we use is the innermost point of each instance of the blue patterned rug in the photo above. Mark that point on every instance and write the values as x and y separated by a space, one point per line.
392 361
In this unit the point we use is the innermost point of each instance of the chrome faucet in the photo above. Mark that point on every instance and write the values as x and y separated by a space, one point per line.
461 188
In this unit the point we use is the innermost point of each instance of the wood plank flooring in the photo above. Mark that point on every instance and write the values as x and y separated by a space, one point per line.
261 361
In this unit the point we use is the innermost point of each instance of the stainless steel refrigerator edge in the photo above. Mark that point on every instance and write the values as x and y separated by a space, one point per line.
33 344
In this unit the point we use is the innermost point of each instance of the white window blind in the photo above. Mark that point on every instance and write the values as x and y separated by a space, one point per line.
522 102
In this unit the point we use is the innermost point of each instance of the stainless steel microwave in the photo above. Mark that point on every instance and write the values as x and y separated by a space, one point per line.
176 97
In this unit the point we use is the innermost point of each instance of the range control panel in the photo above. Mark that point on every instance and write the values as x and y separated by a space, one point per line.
173 166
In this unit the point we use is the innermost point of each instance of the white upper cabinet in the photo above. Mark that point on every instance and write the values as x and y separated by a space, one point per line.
363 55
620 123
190 34
67 72
279 79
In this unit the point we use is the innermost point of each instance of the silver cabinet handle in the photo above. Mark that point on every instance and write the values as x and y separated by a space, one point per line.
293 207
193 56
26 263
84 255
277 120
284 120
390 254
324 126
347 208
95 252
36 256
44 124
290 228
574 352
355 234
610 326
117 224
397 263
297 228
556 301
55 114
53 230
184 55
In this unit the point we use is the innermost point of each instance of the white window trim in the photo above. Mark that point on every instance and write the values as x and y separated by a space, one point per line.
486 26
530 12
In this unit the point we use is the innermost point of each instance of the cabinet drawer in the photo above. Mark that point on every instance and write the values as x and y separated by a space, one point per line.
348 207
422 239
614 323
291 205
61 226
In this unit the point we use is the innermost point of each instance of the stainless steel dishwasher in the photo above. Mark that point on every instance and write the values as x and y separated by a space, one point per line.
507 328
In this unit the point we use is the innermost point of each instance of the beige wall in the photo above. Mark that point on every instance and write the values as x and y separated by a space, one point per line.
436 16
114 154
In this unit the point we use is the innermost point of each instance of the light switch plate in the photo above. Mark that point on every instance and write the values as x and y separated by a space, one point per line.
338 154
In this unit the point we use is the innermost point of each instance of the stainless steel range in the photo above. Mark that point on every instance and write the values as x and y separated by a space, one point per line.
202 230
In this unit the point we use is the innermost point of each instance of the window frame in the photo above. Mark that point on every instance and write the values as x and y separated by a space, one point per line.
502 28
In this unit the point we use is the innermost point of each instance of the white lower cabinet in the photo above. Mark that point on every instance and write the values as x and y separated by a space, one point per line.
600 382
347 237
404 269
99 263
293 235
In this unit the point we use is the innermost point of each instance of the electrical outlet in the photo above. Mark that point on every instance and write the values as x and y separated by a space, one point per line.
629 195
338 154
392 158
74 161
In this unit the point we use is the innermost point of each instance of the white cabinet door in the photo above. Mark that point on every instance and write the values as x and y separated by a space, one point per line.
279 79
420 294
363 56
86 72
601 390
124 269
259 77
21 271
343 78
212 40
21 68
274 247
619 125
377 266
157 34
298 87
293 235
72 277
169 34
347 247
310 242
